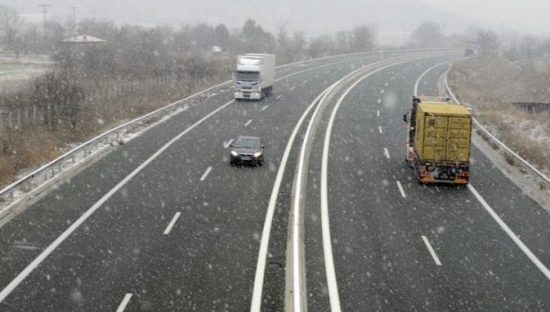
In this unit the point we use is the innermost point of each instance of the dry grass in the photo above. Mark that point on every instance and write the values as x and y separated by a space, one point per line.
37 146
488 85
34 147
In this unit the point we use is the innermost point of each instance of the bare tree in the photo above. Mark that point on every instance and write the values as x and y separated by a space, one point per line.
488 42
321 46
9 24
428 34
364 39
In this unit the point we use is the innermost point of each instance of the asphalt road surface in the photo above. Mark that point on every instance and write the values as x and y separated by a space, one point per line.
169 225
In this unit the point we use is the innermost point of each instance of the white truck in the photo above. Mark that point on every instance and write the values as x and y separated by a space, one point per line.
254 76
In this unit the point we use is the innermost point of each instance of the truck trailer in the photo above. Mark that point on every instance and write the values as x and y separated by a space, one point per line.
438 143
254 76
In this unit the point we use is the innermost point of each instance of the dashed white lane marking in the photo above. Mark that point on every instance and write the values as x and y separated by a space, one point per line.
171 224
279 97
226 144
380 129
124 302
379 101
264 108
205 174
382 91
386 84
305 81
292 88
511 234
401 190
40 258
387 154
248 123
431 250
377 113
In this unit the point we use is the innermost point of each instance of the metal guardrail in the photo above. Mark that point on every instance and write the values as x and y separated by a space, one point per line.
494 138
106 137
55 166
50 169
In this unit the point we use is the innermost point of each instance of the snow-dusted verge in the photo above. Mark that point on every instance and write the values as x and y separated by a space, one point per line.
33 183
529 178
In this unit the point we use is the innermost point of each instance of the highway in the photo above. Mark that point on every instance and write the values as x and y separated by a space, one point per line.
163 223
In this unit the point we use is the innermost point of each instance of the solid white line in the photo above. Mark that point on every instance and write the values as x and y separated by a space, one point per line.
42 256
262 254
378 113
279 97
297 197
264 244
171 224
205 174
248 123
510 233
387 153
296 212
422 76
380 129
34 264
401 190
332 285
264 108
431 250
124 302
226 144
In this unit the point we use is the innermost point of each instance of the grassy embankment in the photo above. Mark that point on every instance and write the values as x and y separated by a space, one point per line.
491 86
32 144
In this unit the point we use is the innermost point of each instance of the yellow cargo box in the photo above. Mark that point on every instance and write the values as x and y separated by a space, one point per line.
443 132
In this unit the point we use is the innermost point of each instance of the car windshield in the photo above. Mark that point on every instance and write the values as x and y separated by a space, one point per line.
247 143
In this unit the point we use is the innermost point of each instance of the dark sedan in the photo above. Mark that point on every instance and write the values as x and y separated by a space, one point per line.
247 150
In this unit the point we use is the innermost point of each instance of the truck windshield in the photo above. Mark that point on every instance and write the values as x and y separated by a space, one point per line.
247 76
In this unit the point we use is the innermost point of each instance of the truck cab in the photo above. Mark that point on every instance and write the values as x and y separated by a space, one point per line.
254 76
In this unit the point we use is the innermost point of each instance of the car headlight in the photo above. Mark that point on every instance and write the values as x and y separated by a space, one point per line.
257 154
234 153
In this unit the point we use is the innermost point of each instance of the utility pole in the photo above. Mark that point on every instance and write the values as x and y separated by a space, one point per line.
44 11
74 18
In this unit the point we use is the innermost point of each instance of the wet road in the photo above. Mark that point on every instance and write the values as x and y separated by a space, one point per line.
183 232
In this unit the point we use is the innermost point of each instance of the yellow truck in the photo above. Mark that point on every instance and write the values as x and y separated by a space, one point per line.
439 136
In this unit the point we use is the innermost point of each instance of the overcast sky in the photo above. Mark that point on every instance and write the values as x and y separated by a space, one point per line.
312 16
523 15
